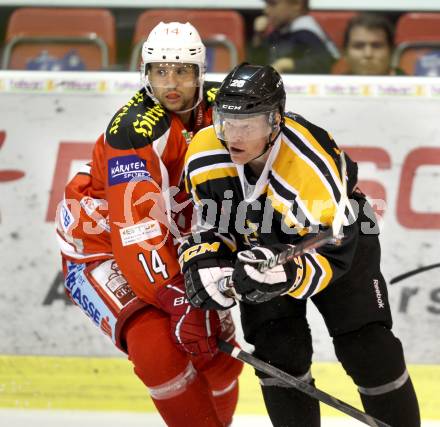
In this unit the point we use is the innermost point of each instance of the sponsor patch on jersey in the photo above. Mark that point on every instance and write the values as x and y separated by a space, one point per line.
112 283
187 135
89 204
127 168
66 217
140 232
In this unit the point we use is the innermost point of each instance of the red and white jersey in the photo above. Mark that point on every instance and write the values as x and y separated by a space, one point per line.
128 203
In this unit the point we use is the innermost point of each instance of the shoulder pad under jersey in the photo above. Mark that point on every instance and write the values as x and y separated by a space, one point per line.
320 134
327 142
138 123
210 90
294 116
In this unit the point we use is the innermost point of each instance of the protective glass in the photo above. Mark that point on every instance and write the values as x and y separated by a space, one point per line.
170 74
232 127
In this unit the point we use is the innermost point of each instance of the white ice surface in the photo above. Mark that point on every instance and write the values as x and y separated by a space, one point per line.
43 418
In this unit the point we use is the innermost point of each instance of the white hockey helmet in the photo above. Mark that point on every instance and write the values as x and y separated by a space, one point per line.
174 42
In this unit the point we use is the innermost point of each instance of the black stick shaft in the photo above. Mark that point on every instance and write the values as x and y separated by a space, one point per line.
315 242
412 273
300 385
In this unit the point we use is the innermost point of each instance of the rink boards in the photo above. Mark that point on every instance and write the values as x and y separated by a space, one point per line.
108 384
50 121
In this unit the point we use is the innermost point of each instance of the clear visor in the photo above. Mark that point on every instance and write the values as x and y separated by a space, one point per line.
231 127
172 74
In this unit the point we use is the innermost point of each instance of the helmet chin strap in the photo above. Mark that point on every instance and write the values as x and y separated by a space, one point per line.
191 108
150 92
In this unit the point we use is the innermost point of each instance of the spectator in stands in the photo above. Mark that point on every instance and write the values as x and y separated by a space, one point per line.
291 40
368 46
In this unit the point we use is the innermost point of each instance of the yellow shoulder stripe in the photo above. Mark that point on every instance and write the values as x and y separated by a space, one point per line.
204 140
212 173
285 211
302 180
312 140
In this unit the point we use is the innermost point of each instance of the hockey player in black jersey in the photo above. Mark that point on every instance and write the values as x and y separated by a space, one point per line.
262 180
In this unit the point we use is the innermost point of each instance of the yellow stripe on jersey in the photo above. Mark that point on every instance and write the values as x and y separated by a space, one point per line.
310 286
230 243
277 202
284 209
204 140
300 178
326 269
315 144
213 172
309 274
202 146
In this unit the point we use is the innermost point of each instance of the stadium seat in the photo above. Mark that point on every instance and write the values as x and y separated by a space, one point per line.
222 32
417 43
334 24
59 39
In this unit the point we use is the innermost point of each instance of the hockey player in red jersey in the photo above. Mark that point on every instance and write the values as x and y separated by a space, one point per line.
118 227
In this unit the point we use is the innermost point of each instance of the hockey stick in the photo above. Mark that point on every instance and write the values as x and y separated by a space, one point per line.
226 286
412 273
289 254
308 389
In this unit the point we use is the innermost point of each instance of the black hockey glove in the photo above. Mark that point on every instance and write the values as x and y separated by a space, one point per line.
205 260
255 287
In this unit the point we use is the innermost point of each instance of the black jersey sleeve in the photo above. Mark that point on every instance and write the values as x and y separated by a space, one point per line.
138 123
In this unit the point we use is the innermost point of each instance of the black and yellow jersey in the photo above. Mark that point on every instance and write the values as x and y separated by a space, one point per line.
299 191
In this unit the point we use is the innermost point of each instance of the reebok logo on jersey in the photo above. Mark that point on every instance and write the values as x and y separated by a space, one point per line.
380 302
127 168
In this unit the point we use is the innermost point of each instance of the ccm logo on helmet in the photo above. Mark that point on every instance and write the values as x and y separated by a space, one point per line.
231 107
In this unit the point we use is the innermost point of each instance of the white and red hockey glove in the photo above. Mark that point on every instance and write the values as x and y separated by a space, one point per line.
194 330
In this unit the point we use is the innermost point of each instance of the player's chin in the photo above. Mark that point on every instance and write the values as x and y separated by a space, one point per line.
173 105
239 157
